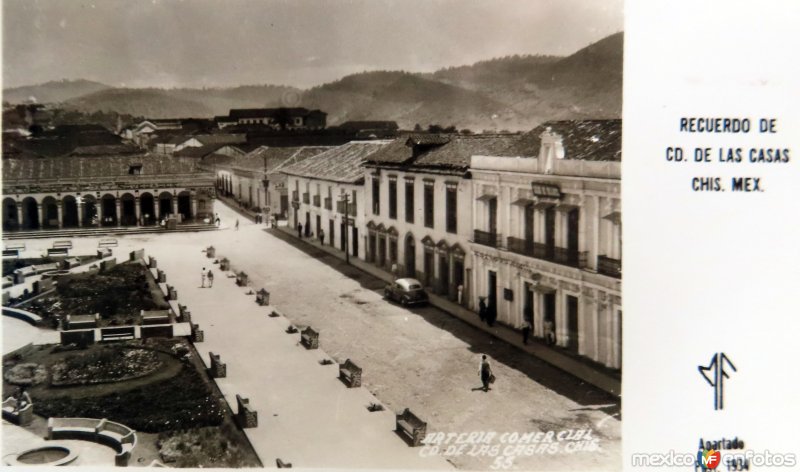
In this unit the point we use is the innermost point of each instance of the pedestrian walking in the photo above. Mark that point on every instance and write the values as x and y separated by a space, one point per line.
482 308
216 220
203 278
210 277
321 236
237 224
394 269
487 377
526 331
299 230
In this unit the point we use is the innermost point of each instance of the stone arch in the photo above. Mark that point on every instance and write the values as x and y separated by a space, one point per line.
49 212
10 214
69 209
90 214
148 208
30 213
185 204
127 210
108 210
165 204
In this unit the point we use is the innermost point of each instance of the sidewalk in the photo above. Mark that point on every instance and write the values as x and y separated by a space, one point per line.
575 367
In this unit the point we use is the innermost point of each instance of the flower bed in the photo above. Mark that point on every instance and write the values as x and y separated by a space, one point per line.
108 365
26 374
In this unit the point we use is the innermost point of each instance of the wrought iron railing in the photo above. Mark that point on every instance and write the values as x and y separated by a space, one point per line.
609 266
487 238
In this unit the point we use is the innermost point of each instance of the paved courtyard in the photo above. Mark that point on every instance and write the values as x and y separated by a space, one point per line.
422 358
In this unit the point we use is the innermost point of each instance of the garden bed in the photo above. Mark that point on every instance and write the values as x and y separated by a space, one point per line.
111 364
10 265
118 295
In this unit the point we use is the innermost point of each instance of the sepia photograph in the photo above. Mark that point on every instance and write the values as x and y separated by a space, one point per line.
339 234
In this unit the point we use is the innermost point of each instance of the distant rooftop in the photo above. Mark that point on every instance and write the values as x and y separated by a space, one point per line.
340 164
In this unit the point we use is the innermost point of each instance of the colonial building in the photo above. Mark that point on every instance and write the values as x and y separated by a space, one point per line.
285 118
328 194
547 235
419 208
63 192
255 179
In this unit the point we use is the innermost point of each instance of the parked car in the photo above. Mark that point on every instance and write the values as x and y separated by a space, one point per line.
406 291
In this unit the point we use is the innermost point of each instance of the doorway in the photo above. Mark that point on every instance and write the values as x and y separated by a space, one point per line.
572 323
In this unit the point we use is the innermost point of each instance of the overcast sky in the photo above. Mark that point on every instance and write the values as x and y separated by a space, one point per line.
168 43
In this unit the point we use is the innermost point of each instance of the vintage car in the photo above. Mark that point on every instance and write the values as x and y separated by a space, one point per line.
406 291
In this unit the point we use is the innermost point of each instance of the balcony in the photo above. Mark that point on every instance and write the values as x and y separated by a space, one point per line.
295 196
328 203
487 238
316 200
610 267
559 255
306 198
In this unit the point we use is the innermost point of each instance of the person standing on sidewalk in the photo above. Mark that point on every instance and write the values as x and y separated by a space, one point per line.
203 278
300 230
216 219
526 331
321 237
482 308
210 277
487 376
237 224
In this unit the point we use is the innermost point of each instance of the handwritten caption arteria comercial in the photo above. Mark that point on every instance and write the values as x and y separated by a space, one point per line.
736 131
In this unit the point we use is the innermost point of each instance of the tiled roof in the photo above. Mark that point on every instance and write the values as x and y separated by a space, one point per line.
221 138
106 150
276 157
270 112
454 152
589 140
341 164
367 125
77 167
198 151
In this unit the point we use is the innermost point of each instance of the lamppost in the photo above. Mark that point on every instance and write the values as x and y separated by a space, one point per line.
265 182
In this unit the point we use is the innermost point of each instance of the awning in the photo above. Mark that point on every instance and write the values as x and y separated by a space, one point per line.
486 198
544 289
566 207
523 202
614 217
543 205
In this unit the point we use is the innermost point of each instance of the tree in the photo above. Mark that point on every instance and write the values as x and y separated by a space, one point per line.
417 128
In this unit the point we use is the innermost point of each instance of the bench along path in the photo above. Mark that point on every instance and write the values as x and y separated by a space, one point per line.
306 415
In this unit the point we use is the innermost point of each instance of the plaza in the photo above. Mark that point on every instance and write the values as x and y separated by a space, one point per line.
423 359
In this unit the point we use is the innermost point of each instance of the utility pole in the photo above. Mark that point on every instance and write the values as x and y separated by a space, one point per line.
346 199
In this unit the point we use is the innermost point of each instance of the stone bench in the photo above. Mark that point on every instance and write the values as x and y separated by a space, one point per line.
262 297
172 294
70 263
118 436
152 263
211 252
118 334
43 285
162 276
242 279
184 314
218 369
14 246
309 338
81 321
246 416
197 334
153 317
62 244
107 264
58 251
224 264
350 374
410 427
136 255
10 252
19 416
107 242
103 252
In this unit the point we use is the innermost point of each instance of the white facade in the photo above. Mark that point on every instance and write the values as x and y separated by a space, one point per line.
551 244
427 250
319 204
